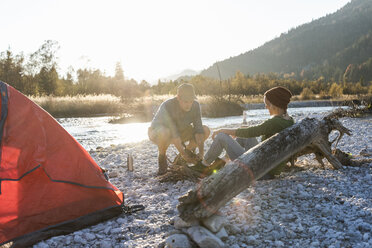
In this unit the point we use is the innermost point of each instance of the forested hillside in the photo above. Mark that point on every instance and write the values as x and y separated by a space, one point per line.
329 57
337 47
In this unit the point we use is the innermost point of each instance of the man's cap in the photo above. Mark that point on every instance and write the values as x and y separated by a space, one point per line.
186 92
279 96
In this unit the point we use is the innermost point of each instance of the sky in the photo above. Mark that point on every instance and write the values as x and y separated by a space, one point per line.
151 39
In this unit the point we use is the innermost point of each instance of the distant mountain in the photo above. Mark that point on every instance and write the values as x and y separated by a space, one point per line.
335 46
182 75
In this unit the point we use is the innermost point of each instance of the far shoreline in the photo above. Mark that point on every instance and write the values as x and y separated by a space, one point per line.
303 104
245 106
142 109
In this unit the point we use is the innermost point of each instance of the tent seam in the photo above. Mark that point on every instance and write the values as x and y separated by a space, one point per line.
53 180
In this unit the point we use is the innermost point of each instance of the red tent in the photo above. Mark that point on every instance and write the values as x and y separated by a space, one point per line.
49 185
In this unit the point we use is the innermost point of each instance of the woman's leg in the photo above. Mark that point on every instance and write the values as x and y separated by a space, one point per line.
247 143
220 142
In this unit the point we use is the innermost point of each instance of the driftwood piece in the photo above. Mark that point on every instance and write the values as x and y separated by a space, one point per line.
180 172
215 191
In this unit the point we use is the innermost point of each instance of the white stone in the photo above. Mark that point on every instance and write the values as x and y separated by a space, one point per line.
121 221
232 229
107 230
204 238
79 239
140 222
129 243
98 228
222 234
78 233
180 223
278 243
365 236
214 223
178 241
300 187
315 244
116 230
257 208
68 240
89 236
100 236
113 174
105 244
42 245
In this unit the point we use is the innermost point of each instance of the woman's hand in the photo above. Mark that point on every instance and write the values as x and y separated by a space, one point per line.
223 130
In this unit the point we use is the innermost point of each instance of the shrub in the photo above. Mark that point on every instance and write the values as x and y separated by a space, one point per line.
307 94
221 107
324 95
80 105
335 90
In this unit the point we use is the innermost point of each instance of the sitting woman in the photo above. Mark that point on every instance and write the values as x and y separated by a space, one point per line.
276 101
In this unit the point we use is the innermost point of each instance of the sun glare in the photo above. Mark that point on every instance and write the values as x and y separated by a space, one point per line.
133 132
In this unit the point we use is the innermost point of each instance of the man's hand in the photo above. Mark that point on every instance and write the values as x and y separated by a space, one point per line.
188 158
200 155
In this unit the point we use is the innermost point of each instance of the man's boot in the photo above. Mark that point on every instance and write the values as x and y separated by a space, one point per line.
163 165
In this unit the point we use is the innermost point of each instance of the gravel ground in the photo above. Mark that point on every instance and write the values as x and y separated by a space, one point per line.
311 207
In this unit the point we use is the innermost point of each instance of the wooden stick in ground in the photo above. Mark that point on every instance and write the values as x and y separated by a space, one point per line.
215 191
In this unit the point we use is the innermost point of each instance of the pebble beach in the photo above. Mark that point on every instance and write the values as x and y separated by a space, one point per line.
307 207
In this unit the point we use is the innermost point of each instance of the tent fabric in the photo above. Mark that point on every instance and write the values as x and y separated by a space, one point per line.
47 178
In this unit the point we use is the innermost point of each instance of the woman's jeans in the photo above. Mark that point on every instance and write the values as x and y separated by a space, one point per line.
234 148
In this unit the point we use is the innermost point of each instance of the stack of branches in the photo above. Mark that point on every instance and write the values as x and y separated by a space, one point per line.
180 170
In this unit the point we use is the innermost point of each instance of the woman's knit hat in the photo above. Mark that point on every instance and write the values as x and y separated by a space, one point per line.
279 96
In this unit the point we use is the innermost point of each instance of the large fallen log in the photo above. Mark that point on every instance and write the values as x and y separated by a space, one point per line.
215 191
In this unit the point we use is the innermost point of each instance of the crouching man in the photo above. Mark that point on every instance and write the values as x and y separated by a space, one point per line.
177 121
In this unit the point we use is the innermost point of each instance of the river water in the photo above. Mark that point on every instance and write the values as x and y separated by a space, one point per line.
96 132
